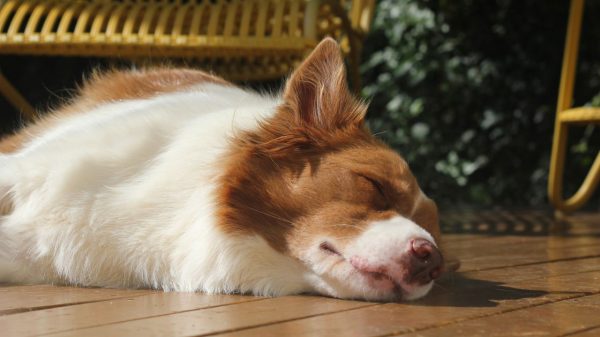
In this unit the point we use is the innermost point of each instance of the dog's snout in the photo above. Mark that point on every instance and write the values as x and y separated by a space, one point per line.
418 263
426 261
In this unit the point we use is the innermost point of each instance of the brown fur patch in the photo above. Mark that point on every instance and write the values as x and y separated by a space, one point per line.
112 86
137 84
314 166
12 142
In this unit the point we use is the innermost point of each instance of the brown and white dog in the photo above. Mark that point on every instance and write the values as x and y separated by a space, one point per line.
178 180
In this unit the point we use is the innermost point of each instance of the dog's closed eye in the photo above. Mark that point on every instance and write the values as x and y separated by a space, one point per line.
378 187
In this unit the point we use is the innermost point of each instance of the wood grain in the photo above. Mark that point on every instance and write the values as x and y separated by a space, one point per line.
467 299
523 273
26 298
112 311
501 252
587 332
560 318
225 318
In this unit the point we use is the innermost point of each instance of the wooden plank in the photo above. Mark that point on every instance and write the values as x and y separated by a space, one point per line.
448 238
444 307
524 223
560 318
225 318
522 242
112 311
529 223
521 261
492 251
474 280
120 310
478 240
503 259
498 252
26 298
527 272
588 332
590 230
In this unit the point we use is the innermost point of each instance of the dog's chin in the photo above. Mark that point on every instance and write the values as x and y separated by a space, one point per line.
385 289
396 295
394 292
367 294
412 293
358 287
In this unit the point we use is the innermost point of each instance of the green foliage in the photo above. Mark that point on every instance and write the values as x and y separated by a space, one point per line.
466 91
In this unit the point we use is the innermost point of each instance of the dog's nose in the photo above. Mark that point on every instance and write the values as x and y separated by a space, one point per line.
426 261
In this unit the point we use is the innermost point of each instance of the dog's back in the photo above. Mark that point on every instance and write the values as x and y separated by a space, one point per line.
177 180
142 159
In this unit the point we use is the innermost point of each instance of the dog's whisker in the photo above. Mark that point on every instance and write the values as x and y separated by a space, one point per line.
286 221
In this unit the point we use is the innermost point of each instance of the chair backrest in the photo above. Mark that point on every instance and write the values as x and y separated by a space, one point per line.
240 39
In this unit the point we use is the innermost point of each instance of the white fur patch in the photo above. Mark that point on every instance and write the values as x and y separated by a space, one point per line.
335 276
122 196
382 237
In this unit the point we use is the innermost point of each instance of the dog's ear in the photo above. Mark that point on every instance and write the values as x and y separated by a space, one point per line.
317 106
317 91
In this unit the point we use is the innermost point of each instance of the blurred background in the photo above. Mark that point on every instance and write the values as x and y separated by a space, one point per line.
465 90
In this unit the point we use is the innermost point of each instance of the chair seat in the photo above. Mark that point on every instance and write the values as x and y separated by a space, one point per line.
580 115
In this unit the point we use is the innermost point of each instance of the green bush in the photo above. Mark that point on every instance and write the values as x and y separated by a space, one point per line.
466 91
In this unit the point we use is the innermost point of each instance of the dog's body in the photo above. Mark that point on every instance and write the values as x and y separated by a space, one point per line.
178 180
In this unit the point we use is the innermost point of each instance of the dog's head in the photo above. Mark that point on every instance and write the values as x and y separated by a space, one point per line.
319 187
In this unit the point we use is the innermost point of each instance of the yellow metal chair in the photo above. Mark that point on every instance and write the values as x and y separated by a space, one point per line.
567 116
239 39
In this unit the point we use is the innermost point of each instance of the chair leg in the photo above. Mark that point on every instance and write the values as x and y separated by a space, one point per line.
557 165
16 99
587 187
555 178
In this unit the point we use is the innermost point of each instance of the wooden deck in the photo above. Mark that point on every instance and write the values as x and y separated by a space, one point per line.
522 274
